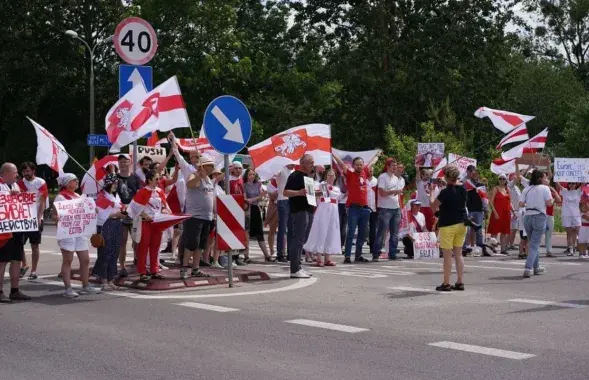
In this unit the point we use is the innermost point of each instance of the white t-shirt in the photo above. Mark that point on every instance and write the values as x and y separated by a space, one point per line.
570 202
420 219
535 198
389 182
372 194
281 179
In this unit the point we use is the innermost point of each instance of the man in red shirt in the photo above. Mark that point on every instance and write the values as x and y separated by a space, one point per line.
359 211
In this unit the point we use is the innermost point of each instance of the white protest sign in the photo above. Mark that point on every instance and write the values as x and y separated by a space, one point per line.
574 170
429 154
77 218
156 153
461 162
310 190
18 212
425 246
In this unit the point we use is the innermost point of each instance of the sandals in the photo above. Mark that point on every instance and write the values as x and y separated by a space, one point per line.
108 288
198 273
270 259
319 263
444 288
458 286
329 264
144 278
23 271
158 276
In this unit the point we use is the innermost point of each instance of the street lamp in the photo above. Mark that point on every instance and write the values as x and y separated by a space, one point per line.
73 34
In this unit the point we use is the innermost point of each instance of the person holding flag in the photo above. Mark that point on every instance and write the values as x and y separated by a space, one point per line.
33 184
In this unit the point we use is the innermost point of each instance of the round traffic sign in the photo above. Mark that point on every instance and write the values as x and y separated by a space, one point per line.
135 41
227 124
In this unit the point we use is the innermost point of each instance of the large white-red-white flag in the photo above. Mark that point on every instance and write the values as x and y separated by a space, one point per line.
518 134
506 164
503 120
49 151
138 113
347 156
286 148
94 177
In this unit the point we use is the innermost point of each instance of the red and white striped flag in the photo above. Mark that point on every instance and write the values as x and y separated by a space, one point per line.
139 113
439 170
503 120
533 145
286 148
518 134
176 196
49 151
93 179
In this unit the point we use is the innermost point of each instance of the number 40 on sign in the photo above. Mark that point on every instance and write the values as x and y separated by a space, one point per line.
135 41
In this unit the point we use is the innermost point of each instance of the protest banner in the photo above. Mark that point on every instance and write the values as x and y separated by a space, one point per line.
77 218
571 170
425 245
156 153
461 162
429 155
18 212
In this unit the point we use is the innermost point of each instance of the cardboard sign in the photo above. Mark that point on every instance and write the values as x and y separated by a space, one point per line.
571 170
77 218
18 212
156 153
429 155
425 246
536 159
310 190
461 162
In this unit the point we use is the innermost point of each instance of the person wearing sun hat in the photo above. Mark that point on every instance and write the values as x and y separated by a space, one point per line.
110 226
68 184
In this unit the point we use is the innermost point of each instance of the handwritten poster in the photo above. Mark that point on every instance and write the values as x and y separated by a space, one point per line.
429 155
461 162
77 218
425 246
18 212
573 170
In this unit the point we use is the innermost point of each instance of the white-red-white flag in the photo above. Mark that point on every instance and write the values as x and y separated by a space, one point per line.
286 148
94 178
531 146
439 170
347 157
503 120
518 134
136 115
49 151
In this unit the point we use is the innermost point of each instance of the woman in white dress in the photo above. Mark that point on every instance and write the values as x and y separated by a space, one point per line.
324 237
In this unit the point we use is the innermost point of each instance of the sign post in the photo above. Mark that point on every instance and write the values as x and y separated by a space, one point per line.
228 126
136 43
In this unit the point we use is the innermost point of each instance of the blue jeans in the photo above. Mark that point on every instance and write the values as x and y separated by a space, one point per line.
357 217
391 219
479 218
535 226
283 216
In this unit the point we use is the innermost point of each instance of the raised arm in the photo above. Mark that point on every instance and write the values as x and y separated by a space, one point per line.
341 165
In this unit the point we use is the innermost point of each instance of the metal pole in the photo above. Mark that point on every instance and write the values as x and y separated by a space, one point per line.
229 254
134 156
91 105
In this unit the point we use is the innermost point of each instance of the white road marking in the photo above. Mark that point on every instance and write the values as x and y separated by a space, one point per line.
351 274
203 306
327 325
547 303
421 290
522 262
483 350
466 266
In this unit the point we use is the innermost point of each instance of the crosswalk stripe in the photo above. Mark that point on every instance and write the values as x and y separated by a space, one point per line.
420 290
327 325
547 303
483 350
203 306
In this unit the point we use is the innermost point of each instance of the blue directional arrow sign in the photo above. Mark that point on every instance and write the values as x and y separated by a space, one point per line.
130 76
227 124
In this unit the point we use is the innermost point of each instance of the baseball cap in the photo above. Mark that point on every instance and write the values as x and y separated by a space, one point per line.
415 202
237 164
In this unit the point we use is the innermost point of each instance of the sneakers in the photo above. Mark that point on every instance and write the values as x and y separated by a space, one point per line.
300 274
217 265
163 267
89 290
527 273
444 288
123 273
347 260
539 270
4 299
458 286
70 293
33 276
19 296
549 254
361 259
184 273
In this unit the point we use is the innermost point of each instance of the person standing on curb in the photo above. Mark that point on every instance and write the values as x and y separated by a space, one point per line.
300 214
283 213
390 187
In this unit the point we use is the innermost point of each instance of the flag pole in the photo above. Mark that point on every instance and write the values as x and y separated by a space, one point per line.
80 165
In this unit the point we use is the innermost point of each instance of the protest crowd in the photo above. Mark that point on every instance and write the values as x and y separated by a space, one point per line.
317 203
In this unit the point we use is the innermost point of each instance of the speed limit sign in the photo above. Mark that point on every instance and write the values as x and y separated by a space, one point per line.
135 41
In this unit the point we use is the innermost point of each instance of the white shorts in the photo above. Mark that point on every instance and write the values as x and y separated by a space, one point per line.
74 244
584 235
571 221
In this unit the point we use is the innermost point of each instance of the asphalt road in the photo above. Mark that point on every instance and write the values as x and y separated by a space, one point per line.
365 321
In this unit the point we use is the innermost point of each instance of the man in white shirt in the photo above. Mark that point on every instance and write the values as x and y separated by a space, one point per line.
389 213
415 224
283 213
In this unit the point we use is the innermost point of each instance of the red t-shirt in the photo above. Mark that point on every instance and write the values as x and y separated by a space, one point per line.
236 186
357 187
